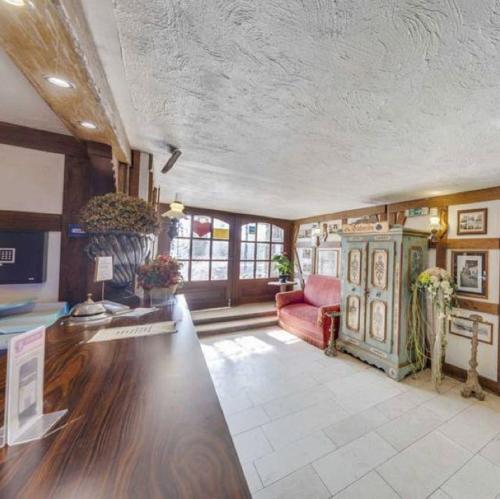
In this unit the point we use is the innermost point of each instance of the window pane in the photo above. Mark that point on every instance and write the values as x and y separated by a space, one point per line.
263 251
277 249
219 271
185 270
180 249
202 226
262 269
185 227
247 251
263 232
274 270
221 229
246 270
201 250
278 234
220 250
199 271
248 232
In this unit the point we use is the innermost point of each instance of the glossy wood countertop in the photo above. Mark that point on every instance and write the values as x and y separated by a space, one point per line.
143 421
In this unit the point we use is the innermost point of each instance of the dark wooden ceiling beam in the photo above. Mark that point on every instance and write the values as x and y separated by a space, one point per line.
21 136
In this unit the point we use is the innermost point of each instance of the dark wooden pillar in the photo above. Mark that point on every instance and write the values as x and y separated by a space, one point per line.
84 177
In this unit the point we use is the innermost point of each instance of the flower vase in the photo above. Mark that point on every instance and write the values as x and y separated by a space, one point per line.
436 331
159 297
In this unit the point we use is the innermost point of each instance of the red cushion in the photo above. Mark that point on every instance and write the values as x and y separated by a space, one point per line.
322 290
301 314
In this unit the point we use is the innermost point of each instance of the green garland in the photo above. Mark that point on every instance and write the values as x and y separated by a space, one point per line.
439 284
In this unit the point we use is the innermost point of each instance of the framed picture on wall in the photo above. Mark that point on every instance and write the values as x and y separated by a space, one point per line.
471 222
470 272
463 326
328 261
306 260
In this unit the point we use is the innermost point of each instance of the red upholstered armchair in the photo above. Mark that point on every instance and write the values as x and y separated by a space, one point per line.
303 312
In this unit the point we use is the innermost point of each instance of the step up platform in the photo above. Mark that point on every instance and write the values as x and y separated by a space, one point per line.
232 319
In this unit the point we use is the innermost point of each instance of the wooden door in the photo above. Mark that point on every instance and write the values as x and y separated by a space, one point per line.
353 292
204 247
380 286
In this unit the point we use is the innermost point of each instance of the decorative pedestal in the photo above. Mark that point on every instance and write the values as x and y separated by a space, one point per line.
331 350
472 386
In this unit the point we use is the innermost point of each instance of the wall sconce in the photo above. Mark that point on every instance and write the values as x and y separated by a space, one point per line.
175 214
316 233
438 228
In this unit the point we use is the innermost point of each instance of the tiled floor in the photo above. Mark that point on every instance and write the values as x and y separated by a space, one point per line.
307 426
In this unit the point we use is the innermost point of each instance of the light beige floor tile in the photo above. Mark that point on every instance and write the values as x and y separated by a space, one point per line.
408 428
367 396
439 494
240 402
288 429
252 477
371 486
424 466
355 426
478 479
492 451
448 405
246 420
281 463
349 463
473 428
303 484
398 405
251 445
289 404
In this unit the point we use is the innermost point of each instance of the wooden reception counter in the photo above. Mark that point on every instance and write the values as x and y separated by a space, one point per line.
143 421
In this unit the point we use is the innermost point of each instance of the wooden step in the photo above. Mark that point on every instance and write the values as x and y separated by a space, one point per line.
229 314
232 326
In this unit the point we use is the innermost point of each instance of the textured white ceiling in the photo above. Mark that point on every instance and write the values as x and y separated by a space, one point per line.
19 102
292 108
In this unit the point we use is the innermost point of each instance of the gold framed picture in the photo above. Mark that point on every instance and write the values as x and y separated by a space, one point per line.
472 222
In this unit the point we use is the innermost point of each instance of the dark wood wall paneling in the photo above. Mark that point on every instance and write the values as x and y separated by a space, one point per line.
87 172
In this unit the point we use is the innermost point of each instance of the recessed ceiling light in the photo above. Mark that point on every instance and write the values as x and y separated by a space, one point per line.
59 82
17 3
88 124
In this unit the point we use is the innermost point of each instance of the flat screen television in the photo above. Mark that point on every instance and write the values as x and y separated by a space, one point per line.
23 257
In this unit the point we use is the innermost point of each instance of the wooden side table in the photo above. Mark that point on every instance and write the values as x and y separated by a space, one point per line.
283 285
331 349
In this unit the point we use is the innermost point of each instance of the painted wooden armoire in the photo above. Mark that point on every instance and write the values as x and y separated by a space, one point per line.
377 272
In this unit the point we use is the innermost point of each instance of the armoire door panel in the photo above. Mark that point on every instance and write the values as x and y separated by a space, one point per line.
354 286
379 295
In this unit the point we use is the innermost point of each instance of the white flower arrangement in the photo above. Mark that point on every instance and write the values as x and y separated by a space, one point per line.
438 285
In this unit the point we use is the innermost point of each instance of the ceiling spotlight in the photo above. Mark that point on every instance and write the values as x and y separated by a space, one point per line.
170 163
17 3
59 82
88 124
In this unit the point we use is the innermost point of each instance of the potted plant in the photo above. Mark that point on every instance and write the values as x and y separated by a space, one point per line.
160 278
283 265
123 227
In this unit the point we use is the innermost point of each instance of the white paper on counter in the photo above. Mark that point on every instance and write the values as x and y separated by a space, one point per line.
135 331
137 312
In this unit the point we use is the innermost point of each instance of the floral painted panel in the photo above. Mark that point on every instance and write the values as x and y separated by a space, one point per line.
379 268
354 266
415 264
378 320
353 313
